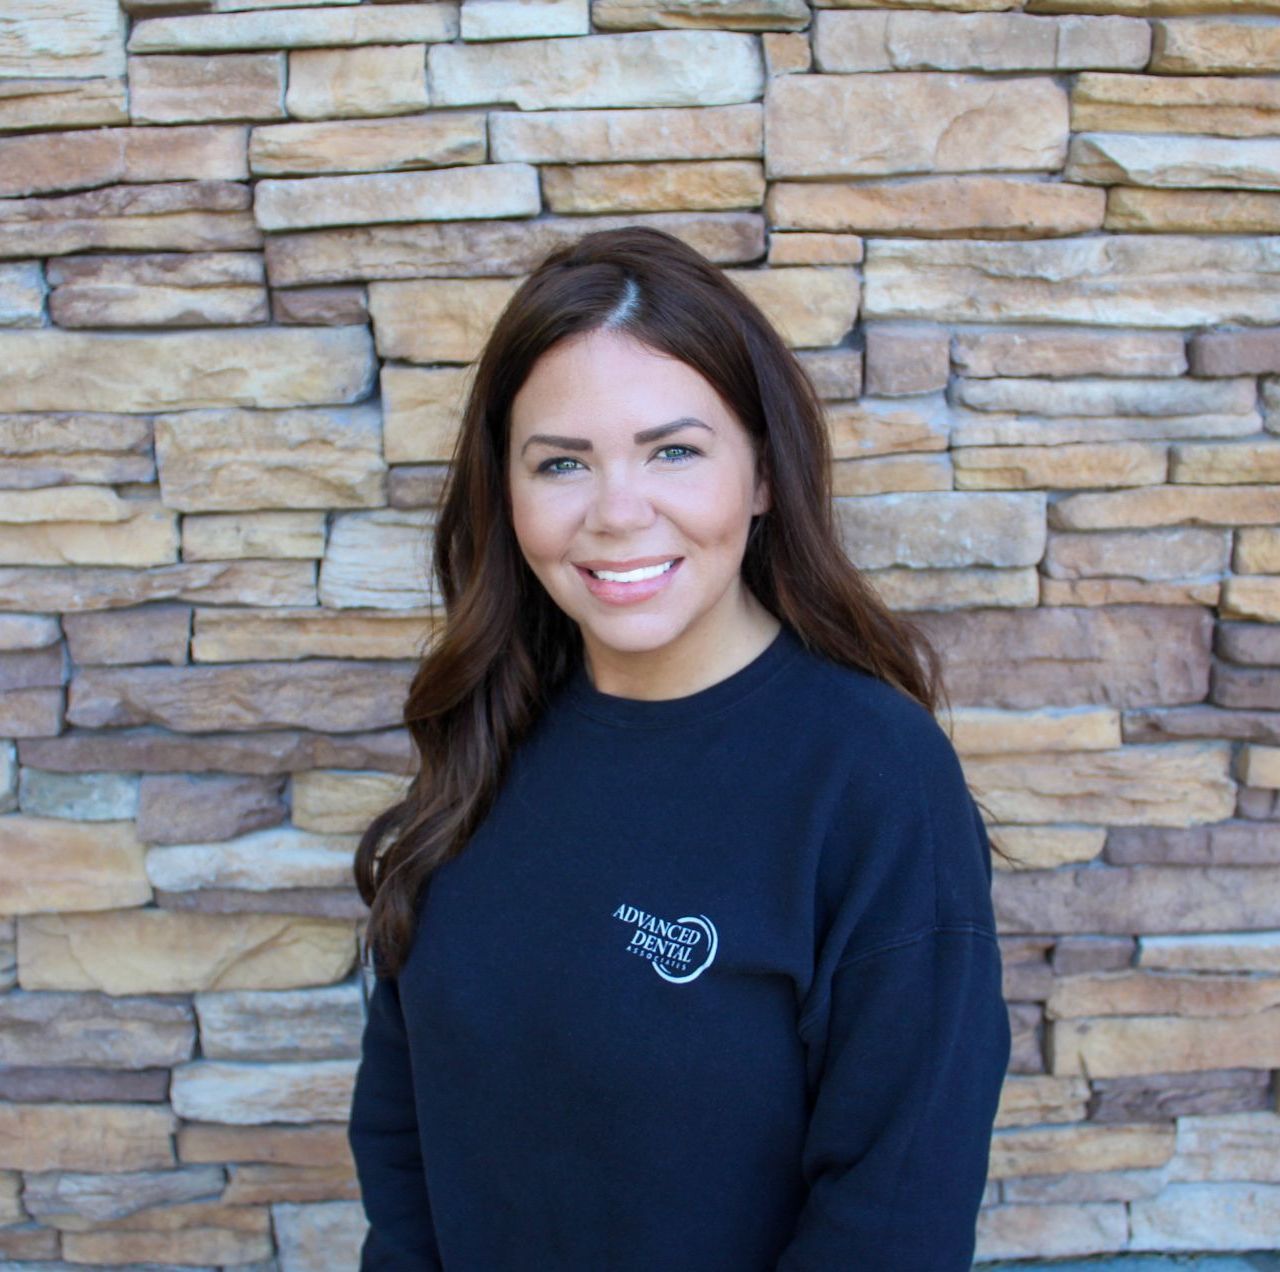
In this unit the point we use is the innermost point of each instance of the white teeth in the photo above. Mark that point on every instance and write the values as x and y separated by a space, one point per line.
634 576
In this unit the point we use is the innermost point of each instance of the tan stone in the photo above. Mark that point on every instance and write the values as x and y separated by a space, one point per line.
437 320
189 1233
186 289
1067 351
914 590
1175 553
1057 1150
905 358
1144 8
1109 395
1192 211
75 38
996 207
1207 46
92 1137
735 15
595 136
297 28
310 1236
1145 159
321 1146
62 103
422 411
469 249
149 537
1223 106
787 53
244 695
1257 551
276 857
331 801
252 1184
1213 952
924 122
890 39
1155 993
810 307
1033 1099
991 731
154 951
367 80
376 559
57 864
519 19
639 68
435 139
320 306
1207 1216
225 1091
186 215
1230 1146
164 89
1046 847
1225 463
446 194
231 460
273 367
836 374
879 476
79 1202
654 187
72 589
1252 352
42 163
814 249
1090 465
1164 281
1256 599
1168 506
230 536
226 636
980 428
1051 1231
64 503
874 427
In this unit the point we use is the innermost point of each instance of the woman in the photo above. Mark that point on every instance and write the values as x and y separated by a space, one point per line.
684 929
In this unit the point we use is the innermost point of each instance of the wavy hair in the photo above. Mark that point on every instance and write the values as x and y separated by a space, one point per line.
505 646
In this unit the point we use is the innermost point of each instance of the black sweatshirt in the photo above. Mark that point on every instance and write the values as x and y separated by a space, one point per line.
714 984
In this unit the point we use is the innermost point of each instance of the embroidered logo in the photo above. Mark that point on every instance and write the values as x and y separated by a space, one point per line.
679 949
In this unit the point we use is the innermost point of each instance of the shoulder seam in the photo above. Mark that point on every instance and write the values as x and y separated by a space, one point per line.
912 938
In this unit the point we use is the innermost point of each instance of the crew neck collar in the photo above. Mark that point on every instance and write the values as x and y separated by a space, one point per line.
642 713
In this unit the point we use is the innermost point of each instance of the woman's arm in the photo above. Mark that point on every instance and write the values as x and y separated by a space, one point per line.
383 1134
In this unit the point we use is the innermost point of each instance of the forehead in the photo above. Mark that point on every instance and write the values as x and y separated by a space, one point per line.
604 379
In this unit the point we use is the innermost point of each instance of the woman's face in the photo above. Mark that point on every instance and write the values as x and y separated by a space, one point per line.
622 458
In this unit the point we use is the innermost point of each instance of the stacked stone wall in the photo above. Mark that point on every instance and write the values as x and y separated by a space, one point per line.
1030 255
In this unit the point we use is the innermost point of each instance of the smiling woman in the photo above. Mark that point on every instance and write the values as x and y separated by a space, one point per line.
688 862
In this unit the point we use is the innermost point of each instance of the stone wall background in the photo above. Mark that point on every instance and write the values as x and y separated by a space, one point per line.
246 254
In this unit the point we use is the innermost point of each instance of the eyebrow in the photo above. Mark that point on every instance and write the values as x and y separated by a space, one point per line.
644 435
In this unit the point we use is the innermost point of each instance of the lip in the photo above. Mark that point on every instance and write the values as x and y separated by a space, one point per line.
614 593
634 564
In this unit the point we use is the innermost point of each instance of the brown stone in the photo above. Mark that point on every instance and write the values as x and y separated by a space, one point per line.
1246 687
734 15
323 1146
1051 1231
1192 211
255 1184
1149 993
62 103
1226 353
1158 724
49 1084
1176 552
187 1233
809 306
175 808
1026 1045
814 249
1250 643
904 358
170 90
320 306
836 373
93 1029
1078 955
152 633
711 185
229 635
1032 1100
1161 1096
73 1201
786 53
1056 1150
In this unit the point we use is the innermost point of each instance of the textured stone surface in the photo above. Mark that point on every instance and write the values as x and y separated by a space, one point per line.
653 187
1211 45
1068 351
164 89
737 15
370 80
57 864
518 19
1250 163
76 38
437 320
1216 105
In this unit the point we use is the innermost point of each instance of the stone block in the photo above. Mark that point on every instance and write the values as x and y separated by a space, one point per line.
432 140
711 185
810 306
78 39
167 89
1216 105
1231 353
1172 162
736 15
906 358
1067 351
371 79
521 19
1213 46
437 319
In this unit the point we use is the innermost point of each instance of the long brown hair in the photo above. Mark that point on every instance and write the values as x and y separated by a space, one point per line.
505 646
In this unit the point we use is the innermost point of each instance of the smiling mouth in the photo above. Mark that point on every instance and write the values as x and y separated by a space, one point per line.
633 576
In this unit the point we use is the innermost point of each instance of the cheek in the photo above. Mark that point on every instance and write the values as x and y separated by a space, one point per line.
538 521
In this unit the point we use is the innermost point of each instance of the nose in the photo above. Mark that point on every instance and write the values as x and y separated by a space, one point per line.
619 503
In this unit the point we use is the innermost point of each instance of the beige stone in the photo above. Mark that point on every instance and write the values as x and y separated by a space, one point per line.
371 79
274 367
1108 395
814 249
736 15
164 89
57 864
1168 506
308 1236
903 40
1155 993
447 194
227 636
520 19
595 136
1257 551
277 857
941 207
331 801
148 537
1192 211
991 731
90 1137
871 426
186 215
229 1092
154 951
79 1201
1051 1231
1173 553
980 428
787 53
906 358
654 187
1067 351
64 503
907 122
1212 952
473 248
1206 46
639 68
1225 463
43 163
229 536
253 1184
1090 465
882 475
1144 159
1057 1150
435 139
914 590
1256 598
297 28
1144 8
437 320
809 306
62 103
186 289
422 410
230 460
1230 1147
379 560
1046 847
1164 281
1223 106
188 1233
1027 1100
80 39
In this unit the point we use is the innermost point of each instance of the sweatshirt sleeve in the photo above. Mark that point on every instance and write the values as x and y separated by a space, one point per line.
383 1134
905 1027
